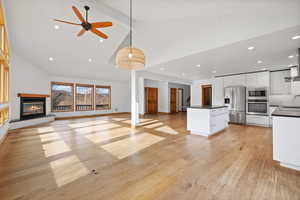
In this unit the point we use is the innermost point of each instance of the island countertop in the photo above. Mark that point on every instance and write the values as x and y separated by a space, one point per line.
207 107
286 112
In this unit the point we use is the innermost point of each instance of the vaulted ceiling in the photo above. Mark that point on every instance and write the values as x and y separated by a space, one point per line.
176 35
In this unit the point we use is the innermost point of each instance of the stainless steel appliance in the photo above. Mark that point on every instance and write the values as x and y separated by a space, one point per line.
257 101
257 93
235 100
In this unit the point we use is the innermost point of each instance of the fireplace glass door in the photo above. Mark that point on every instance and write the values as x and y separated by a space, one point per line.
31 108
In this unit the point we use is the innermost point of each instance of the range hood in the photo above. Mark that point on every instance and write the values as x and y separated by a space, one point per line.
295 75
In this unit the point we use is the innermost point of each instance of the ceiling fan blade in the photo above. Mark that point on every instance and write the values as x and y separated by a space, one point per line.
81 32
66 22
101 24
78 14
99 33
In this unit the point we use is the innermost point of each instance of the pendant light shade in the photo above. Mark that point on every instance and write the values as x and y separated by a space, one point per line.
130 58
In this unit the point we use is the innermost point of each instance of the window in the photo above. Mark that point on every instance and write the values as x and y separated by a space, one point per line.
4 71
62 97
102 97
84 97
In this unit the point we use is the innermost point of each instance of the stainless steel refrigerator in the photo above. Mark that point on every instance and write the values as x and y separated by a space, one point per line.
235 100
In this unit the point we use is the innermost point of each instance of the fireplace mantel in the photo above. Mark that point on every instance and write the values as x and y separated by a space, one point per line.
33 95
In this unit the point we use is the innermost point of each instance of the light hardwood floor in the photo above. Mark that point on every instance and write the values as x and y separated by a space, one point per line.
103 158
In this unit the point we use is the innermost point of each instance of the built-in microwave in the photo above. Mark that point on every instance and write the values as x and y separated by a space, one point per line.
257 93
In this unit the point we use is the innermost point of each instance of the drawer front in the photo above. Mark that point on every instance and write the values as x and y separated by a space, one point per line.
258 120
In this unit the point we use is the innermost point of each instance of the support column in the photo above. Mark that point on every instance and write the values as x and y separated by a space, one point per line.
134 103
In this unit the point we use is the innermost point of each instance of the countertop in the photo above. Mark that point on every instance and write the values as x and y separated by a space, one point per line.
291 112
207 107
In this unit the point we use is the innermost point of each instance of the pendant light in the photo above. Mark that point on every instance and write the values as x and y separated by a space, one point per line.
129 57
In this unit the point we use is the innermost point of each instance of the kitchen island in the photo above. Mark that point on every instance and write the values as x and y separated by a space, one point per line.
286 137
207 120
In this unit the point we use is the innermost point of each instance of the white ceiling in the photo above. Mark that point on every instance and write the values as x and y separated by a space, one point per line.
175 35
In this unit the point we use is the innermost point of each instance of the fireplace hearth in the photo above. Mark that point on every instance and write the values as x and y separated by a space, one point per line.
32 107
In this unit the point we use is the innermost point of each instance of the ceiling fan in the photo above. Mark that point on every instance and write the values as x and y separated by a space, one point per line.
86 26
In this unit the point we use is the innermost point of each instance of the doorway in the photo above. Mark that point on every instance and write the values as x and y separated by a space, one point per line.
173 100
151 100
180 101
206 95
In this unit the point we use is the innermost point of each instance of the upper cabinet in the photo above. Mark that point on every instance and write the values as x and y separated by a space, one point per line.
278 84
258 79
234 80
217 91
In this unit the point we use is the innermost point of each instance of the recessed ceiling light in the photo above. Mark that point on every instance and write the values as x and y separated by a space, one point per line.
259 62
251 48
198 65
101 40
51 59
90 60
291 56
162 69
296 37
214 72
56 27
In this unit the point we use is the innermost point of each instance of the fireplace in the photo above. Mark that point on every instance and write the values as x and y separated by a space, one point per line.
32 107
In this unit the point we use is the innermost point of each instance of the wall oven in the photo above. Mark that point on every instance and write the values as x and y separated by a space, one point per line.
257 101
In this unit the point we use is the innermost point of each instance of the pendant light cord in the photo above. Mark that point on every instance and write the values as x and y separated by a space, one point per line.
130 24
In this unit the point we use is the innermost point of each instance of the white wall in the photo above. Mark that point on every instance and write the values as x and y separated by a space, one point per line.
186 92
163 98
26 78
196 91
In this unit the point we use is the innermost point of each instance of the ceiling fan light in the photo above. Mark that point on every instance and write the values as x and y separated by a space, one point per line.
130 59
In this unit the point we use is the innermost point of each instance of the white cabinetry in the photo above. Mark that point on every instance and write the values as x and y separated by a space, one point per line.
286 137
296 88
278 84
258 120
235 80
258 79
272 109
207 122
218 91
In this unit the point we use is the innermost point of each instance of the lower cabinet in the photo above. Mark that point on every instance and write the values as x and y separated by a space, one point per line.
258 120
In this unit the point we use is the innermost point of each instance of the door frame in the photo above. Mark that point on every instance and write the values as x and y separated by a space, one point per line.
171 100
146 100
203 87
182 98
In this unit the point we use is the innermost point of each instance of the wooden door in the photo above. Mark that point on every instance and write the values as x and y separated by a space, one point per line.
151 100
206 95
173 100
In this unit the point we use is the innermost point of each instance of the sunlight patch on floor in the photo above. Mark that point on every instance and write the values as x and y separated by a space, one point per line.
167 129
142 123
55 148
103 127
89 123
67 170
126 147
119 119
108 135
49 137
154 125
45 129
